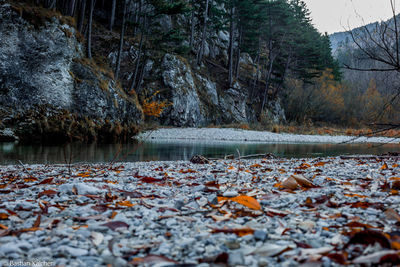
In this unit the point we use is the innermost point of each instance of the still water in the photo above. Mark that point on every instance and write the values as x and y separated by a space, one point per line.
11 153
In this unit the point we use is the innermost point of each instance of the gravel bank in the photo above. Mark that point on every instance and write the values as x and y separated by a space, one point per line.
238 135
247 213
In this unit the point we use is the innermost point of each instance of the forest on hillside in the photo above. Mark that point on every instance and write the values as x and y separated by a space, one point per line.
279 36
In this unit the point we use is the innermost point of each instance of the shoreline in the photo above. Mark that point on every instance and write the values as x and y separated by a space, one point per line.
250 136
179 212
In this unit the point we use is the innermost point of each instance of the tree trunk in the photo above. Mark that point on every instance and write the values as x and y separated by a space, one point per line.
191 29
82 16
121 41
267 80
255 80
203 36
72 8
231 40
237 71
89 32
137 63
112 15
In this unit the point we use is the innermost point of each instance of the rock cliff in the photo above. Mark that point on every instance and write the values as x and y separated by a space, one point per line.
47 87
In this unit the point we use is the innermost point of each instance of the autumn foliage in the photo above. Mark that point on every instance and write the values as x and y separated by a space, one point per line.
153 108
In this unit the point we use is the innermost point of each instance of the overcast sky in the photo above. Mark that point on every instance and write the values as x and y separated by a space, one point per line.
333 15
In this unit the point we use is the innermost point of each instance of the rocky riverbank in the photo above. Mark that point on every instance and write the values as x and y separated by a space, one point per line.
265 212
239 135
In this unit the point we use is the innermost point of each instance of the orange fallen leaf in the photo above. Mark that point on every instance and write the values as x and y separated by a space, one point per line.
77 227
30 180
355 195
320 164
114 213
256 165
395 165
244 200
3 216
384 167
304 166
125 204
238 231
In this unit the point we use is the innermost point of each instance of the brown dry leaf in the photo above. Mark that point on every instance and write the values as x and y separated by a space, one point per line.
304 166
115 224
289 183
36 224
46 181
380 257
2 226
391 214
244 200
369 237
238 231
3 216
151 260
303 181
47 193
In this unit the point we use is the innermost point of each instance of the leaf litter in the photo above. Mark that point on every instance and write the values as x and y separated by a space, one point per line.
253 212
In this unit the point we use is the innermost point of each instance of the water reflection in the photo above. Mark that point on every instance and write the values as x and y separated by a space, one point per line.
10 153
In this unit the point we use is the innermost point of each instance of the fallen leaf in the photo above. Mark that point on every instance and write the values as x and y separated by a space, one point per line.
384 167
271 250
47 193
369 237
391 214
113 214
247 201
289 183
379 257
320 164
125 203
237 231
116 224
36 224
303 181
46 181
151 260
3 216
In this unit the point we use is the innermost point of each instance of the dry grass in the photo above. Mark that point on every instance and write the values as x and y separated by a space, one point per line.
312 130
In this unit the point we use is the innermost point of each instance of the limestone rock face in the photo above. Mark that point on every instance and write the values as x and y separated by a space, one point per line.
178 77
43 70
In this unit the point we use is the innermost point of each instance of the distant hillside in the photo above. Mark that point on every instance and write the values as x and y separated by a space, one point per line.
344 39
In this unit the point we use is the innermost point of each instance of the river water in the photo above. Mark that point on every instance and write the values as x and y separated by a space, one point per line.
12 153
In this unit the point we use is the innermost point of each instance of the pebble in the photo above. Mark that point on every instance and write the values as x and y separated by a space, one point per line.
230 193
260 235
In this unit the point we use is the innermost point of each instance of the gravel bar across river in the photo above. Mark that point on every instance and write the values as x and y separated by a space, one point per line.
238 135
